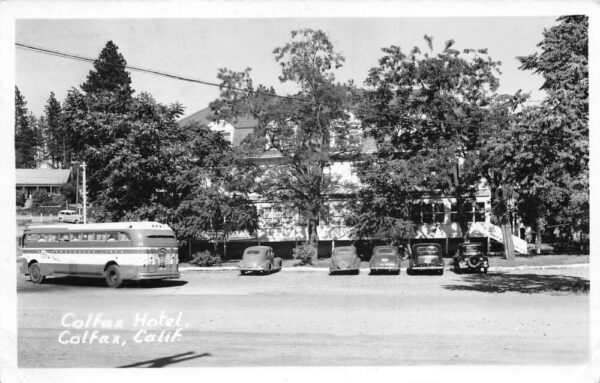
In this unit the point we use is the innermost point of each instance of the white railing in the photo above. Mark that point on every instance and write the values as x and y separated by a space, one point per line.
483 229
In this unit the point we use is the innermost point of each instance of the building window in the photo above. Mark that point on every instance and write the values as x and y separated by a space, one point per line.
439 214
335 215
475 214
454 212
354 137
270 216
427 212
479 212
415 213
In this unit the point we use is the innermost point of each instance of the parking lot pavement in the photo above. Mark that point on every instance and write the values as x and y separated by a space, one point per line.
308 319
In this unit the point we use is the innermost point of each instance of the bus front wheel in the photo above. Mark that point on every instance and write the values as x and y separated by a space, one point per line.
113 276
35 274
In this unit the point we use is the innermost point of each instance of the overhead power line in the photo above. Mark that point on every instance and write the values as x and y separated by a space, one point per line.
71 56
150 71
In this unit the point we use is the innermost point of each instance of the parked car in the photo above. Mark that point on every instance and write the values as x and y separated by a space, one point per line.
385 258
426 257
469 257
259 259
344 259
69 216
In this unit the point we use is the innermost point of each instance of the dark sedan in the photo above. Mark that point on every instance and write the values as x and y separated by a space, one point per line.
470 257
385 259
426 257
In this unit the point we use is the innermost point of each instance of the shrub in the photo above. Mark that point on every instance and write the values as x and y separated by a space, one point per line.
205 259
20 198
40 198
43 198
304 253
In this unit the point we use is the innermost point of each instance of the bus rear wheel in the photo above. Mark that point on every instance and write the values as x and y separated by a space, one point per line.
113 276
35 273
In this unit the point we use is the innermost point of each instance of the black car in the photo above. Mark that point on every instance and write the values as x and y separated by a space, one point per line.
469 257
426 257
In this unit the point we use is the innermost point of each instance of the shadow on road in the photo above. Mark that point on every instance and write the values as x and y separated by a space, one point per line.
162 362
521 283
100 282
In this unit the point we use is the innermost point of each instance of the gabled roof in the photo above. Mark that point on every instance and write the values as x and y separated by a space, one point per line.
33 177
204 117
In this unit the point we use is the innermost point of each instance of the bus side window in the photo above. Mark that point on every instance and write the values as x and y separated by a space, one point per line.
124 237
111 237
51 238
32 238
100 237
63 237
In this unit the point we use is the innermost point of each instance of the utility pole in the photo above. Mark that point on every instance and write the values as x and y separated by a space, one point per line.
84 194
77 190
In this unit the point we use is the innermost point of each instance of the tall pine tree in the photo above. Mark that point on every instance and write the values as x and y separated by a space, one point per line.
26 138
109 74
57 140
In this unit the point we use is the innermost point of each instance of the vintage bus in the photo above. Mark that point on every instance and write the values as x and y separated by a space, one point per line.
115 251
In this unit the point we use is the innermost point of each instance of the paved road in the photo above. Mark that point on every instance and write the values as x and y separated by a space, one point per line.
306 318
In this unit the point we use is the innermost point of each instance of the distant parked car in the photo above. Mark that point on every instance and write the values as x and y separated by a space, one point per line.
385 258
344 259
259 259
426 257
469 257
69 216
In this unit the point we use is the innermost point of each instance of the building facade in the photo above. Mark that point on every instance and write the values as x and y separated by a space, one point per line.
282 227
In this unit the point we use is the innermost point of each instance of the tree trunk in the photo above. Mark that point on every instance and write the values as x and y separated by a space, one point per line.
313 239
509 247
538 237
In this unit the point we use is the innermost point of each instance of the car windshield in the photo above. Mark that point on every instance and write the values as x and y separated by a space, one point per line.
385 251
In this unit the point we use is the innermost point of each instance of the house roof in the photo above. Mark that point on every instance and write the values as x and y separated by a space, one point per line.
204 116
33 177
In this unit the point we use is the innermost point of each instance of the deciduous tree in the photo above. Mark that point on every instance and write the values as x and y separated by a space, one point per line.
307 129
425 110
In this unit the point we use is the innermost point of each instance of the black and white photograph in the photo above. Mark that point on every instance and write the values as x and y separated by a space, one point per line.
282 192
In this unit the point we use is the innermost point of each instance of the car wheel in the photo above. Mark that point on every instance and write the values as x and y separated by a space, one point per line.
441 272
76 221
357 271
113 276
35 273
457 270
397 272
409 271
60 219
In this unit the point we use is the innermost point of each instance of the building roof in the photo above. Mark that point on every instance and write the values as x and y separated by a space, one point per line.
204 116
41 177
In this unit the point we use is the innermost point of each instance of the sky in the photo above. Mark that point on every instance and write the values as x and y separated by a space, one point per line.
197 48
